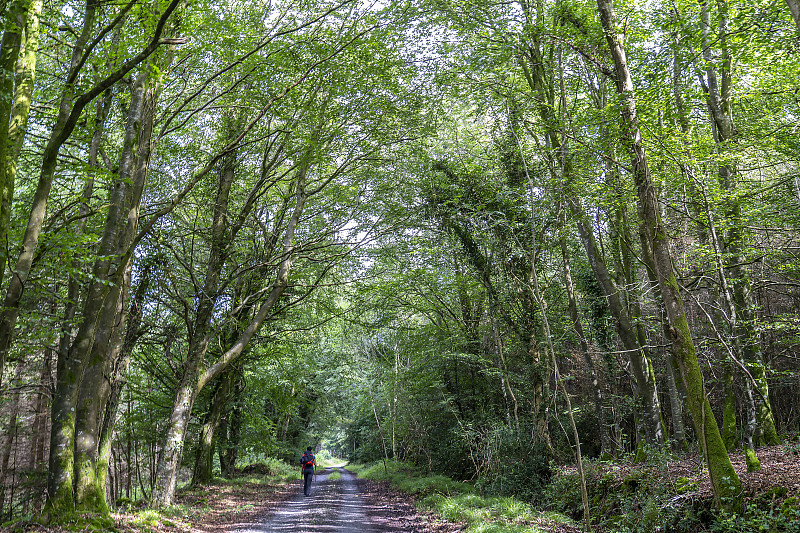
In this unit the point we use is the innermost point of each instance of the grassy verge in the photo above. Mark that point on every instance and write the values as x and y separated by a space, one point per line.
460 502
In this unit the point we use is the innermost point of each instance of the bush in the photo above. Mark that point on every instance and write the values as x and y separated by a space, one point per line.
271 468
409 479
518 470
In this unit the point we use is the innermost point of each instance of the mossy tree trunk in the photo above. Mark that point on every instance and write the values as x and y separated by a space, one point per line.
70 108
204 453
725 482
18 50
85 363
126 333
104 359
718 85
10 45
86 388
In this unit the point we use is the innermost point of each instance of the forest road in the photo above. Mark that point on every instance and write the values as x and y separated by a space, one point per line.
335 506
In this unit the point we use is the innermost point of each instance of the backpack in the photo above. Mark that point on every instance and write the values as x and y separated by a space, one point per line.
308 461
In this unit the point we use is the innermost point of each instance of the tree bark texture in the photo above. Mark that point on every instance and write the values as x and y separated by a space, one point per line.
204 453
725 482
92 406
86 364
12 41
794 8
18 50
101 299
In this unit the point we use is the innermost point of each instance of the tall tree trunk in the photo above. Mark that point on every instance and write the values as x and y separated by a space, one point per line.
204 454
193 380
69 112
725 482
74 285
101 300
126 333
88 363
606 445
719 89
10 45
17 124
794 8
95 390
21 33
96 387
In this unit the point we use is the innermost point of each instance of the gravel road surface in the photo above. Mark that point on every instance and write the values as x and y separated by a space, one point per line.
333 507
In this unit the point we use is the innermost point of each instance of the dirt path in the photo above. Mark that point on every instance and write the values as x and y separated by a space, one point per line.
335 506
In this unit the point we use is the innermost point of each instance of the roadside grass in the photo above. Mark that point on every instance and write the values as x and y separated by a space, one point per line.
456 501
194 505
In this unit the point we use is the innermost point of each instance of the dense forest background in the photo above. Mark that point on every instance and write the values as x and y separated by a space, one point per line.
464 235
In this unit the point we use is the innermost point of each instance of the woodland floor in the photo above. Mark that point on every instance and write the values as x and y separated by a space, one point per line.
350 505
780 468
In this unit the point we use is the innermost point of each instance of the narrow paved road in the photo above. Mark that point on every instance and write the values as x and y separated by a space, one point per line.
333 507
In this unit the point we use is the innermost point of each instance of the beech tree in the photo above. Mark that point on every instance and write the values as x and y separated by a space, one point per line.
456 209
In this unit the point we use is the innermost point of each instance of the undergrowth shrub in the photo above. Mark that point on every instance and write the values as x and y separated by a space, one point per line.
643 501
409 479
517 468
271 468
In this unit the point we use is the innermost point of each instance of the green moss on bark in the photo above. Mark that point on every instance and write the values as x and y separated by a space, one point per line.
726 483
90 494
753 464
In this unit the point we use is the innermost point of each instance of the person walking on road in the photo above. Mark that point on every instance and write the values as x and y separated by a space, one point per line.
309 463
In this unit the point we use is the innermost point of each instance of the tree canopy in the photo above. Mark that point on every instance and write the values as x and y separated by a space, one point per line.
439 232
